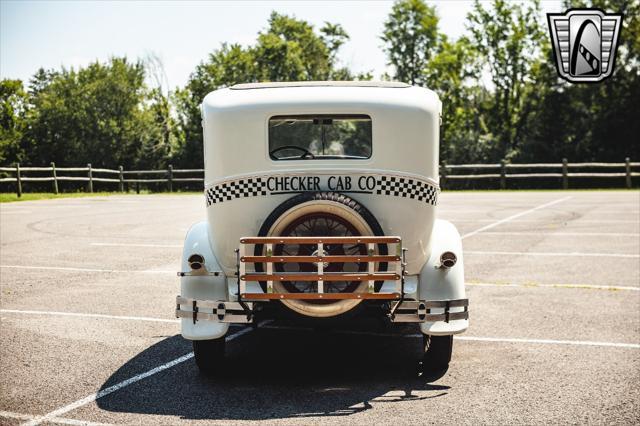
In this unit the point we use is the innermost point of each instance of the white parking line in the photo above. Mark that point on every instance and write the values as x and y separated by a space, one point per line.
64 268
474 338
583 286
59 420
364 333
111 389
546 221
622 211
565 234
82 315
123 384
54 415
264 324
462 209
550 342
49 206
578 286
515 216
531 253
136 245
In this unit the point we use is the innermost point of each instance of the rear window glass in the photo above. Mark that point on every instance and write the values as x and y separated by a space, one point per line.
317 137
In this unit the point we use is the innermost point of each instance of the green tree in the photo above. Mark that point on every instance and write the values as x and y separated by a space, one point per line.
166 138
507 36
290 50
411 39
13 109
588 122
99 114
453 73
226 66
287 50
333 36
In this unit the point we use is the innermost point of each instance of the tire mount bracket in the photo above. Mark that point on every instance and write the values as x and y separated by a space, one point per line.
209 310
399 309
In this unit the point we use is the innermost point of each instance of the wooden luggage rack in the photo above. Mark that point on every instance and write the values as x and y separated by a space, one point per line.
394 271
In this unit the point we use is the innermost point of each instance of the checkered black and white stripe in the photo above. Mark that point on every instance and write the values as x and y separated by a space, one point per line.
250 187
407 188
385 185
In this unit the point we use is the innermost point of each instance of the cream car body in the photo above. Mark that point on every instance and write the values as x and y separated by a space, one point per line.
245 182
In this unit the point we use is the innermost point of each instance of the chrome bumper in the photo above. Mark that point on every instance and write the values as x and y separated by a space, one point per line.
429 311
400 311
211 310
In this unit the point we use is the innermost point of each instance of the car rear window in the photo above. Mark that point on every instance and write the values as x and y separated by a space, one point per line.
318 137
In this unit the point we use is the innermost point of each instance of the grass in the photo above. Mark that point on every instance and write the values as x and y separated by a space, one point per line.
30 196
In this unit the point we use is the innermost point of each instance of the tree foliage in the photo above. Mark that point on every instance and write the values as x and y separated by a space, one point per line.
98 114
588 122
289 49
451 73
411 37
13 104
501 95
507 37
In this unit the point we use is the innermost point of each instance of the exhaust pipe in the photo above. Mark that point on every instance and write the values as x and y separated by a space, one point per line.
196 262
447 260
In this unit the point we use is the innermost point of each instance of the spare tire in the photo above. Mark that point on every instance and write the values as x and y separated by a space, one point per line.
320 214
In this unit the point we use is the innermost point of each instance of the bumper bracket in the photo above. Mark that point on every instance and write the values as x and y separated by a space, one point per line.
429 311
219 311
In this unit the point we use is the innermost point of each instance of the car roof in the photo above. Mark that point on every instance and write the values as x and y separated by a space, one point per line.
405 124
310 97
285 84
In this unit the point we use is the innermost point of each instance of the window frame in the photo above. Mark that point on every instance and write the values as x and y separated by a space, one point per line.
319 116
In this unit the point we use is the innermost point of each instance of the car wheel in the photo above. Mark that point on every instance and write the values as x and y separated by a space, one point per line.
437 354
325 214
209 355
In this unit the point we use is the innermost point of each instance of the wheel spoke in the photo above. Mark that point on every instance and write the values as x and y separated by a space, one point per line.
332 228
320 224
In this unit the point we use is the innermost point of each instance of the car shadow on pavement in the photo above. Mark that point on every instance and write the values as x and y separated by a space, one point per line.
276 373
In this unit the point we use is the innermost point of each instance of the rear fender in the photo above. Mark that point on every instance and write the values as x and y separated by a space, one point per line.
438 283
202 287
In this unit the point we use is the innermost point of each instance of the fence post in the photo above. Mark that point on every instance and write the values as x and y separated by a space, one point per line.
503 175
90 175
18 181
627 166
170 180
565 174
443 179
120 169
55 178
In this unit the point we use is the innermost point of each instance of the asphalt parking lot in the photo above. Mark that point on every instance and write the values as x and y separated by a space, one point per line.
87 333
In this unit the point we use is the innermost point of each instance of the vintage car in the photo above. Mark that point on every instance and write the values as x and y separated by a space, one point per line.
321 202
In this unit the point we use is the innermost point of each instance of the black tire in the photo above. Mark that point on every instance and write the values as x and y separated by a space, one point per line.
330 196
344 200
209 355
436 358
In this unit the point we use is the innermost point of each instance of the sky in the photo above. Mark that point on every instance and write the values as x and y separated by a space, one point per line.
52 34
